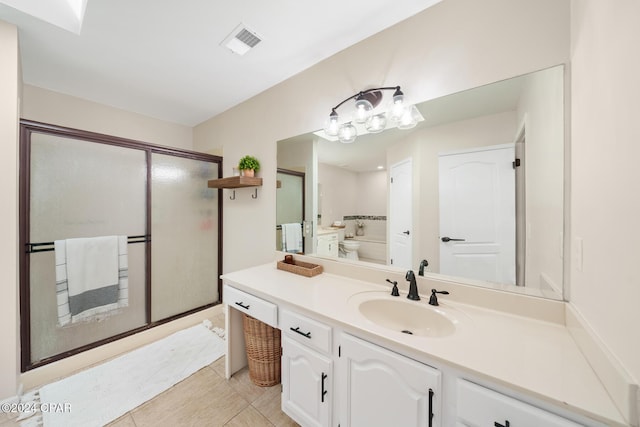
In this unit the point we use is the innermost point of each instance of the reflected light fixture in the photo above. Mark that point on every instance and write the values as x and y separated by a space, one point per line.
402 116
347 133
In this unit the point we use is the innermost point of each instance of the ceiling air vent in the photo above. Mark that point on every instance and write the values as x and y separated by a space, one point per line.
241 40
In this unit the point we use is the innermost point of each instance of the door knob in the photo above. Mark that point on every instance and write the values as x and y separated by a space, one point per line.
406 232
449 239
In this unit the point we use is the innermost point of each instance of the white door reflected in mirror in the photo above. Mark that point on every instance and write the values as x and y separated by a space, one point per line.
478 214
400 215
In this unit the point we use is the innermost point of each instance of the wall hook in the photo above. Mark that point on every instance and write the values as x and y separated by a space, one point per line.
234 195
255 195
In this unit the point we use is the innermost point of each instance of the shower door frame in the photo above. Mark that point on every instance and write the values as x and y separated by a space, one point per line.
27 128
301 175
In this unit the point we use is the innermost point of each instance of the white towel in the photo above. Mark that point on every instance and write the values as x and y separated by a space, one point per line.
292 237
91 277
92 263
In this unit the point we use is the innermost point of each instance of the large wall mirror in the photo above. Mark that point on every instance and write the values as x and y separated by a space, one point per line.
473 193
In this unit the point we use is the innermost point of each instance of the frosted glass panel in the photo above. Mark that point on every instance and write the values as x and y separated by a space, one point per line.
184 230
289 201
83 189
48 339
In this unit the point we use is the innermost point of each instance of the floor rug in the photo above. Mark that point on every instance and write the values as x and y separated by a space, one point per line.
101 394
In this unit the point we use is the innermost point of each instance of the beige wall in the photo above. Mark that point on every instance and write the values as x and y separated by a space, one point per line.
605 176
64 110
9 113
370 192
339 193
455 45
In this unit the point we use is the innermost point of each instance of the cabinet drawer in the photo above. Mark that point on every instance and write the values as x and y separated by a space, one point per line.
478 406
332 237
251 305
307 331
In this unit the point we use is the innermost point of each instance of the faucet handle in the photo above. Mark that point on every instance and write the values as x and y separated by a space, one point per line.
433 300
394 291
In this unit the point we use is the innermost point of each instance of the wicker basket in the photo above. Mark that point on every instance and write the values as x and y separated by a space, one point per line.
301 268
263 351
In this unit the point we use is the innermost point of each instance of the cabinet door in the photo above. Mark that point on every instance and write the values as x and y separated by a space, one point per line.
307 380
381 388
328 245
324 247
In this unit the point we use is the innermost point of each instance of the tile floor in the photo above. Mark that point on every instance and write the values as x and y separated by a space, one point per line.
205 398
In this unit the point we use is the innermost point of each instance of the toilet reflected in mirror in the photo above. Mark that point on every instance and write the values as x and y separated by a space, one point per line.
349 249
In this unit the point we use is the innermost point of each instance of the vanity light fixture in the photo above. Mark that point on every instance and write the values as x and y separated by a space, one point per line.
403 116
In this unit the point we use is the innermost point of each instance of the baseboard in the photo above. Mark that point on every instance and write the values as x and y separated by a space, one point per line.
620 385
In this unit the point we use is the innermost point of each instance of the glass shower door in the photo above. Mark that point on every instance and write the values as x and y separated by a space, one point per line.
185 235
290 196
118 236
80 189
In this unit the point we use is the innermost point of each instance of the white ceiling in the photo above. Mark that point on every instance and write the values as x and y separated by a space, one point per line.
162 58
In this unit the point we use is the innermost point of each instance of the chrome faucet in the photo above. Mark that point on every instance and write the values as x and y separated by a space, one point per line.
413 287
423 264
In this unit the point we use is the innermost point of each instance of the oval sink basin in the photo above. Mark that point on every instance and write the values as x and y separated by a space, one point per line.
407 317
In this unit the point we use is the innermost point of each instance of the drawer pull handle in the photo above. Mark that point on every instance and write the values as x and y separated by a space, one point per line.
324 377
431 393
246 307
497 424
297 329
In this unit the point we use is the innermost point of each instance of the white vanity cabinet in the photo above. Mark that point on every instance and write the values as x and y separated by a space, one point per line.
334 373
479 406
307 370
379 387
328 245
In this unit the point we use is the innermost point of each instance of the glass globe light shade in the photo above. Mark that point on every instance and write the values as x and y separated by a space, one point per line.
397 109
331 126
347 133
364 110
376 123
409 118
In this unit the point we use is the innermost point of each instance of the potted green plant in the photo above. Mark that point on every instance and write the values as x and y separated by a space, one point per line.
248 165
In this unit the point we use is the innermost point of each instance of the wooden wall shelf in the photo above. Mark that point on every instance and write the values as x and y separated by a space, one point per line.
235 182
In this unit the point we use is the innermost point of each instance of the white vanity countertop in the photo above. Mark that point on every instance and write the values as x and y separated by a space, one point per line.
329 230
535 357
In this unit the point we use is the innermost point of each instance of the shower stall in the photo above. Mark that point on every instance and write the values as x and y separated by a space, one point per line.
78 186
